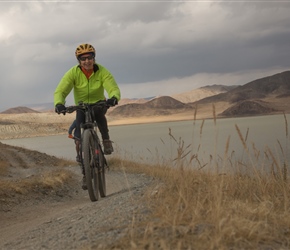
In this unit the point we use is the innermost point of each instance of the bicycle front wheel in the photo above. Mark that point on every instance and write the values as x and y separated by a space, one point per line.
91 170
101 171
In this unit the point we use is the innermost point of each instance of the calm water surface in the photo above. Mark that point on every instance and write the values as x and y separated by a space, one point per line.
202 141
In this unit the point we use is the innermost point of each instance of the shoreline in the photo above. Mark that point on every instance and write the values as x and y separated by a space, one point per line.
18 126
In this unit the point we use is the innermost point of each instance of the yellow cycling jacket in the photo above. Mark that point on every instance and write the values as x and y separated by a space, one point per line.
86 90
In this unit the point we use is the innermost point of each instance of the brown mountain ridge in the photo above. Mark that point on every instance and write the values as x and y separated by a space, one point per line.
164 105
19 110
267 95
276 86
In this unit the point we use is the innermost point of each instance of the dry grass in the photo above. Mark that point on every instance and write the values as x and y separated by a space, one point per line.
195 208
44 183
52 178
3 167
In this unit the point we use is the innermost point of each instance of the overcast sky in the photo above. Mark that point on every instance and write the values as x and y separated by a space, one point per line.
151 47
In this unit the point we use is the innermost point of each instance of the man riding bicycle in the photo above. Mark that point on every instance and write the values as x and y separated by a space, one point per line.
89 81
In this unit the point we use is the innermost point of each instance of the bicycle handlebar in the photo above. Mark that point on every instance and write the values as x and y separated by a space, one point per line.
84 106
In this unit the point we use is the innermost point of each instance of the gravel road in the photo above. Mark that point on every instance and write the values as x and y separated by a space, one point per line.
73 221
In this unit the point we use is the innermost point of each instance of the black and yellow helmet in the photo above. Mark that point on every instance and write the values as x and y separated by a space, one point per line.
85 48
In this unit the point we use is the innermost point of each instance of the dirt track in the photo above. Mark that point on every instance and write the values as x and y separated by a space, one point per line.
68 219
76 222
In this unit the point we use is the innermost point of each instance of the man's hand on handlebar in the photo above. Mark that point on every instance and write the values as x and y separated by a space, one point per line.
60 109
112 101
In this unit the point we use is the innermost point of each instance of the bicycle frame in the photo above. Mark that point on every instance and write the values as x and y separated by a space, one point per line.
93 161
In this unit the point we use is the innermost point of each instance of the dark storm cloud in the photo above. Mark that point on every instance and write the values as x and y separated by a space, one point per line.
145 43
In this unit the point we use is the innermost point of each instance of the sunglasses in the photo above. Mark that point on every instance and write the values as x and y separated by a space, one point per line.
84 58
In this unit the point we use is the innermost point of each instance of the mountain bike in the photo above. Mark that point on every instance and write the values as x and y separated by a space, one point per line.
92 158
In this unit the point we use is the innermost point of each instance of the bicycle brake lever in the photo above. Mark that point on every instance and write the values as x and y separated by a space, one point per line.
69 109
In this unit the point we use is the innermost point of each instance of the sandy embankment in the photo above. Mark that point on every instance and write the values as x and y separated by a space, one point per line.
43 124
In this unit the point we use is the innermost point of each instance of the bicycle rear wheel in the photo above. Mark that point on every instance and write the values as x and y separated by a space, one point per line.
91 171
102 173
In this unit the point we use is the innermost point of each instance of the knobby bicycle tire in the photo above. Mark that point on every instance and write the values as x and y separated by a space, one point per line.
91 171
100 162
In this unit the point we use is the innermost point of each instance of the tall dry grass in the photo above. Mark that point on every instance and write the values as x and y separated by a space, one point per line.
44 183
3 167
193 209
198 208
49 180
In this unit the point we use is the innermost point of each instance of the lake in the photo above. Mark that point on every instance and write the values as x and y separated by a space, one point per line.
258 141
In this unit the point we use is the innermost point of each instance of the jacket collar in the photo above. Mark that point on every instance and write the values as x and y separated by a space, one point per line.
96 67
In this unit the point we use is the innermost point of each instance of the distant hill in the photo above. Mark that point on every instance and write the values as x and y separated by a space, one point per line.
276 86
203 92
163 105
19 110
261 96
266 95
245 108
164 102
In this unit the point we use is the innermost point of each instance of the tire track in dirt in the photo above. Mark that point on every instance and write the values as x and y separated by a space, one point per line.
22 163
76 222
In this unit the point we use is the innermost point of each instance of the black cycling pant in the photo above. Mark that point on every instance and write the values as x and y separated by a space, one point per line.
100 118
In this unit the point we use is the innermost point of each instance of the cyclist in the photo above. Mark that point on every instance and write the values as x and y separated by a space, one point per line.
89 81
